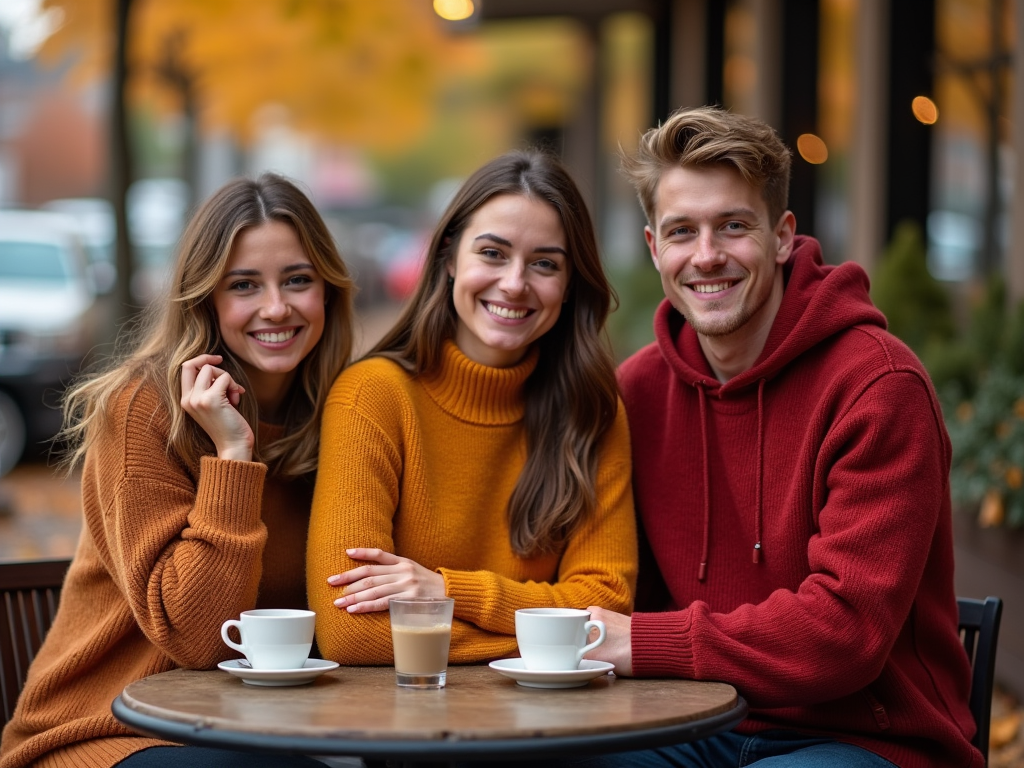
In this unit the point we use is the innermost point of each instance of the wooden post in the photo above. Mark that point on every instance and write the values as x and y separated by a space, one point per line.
869 150
1015 247
689 54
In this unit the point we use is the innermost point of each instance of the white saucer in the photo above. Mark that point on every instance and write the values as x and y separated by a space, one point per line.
277 677
531 678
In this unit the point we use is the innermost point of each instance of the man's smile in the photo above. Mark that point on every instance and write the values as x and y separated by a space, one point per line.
712 287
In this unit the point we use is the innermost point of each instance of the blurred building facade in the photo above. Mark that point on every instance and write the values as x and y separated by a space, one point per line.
856 80
836 77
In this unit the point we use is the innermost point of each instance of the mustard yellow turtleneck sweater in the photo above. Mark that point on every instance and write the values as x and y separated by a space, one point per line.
424 467
167 553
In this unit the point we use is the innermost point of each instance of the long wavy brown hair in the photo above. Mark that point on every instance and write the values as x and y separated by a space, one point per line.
572 396
182 324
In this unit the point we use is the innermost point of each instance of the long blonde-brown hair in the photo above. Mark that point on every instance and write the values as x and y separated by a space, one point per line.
183 324
572 396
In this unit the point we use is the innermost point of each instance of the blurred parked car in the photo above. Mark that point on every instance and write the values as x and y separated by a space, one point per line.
157 212
49 321
384 247
404 254
93 220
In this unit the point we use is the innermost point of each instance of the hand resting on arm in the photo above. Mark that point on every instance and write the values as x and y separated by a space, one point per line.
370 588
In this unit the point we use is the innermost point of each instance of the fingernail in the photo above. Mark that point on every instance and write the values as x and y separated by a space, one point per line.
349 551
351 609
340 602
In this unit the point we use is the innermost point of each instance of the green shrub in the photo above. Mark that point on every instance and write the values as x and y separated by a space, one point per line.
632 325
917 306
979 374
987 432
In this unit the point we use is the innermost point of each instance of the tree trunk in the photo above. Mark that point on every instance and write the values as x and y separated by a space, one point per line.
991 258
121 166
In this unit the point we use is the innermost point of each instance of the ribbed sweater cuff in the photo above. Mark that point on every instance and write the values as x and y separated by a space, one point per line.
476 599
661 644
231 492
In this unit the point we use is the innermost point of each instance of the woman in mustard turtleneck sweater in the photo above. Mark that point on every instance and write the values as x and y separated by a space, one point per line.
480 450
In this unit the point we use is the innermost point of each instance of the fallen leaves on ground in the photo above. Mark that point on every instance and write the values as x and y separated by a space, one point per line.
1006 739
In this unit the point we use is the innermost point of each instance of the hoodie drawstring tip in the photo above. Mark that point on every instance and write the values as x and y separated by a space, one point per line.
757 553
702 571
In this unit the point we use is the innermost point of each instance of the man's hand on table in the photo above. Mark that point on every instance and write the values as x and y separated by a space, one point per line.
617 647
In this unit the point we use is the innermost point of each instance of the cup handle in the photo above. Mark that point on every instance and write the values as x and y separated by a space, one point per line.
599 626
241 648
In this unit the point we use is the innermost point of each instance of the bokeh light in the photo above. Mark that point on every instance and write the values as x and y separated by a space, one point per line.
453 10
812 148
925 110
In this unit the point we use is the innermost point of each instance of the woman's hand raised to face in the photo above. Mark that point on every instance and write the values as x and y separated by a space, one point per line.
210 396
370 588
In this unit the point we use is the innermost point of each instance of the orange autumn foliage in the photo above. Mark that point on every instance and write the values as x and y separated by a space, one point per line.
358 72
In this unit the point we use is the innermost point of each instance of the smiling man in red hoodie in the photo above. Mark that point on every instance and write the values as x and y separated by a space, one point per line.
791 477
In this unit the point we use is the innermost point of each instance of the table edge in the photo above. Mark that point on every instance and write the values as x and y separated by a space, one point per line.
434 749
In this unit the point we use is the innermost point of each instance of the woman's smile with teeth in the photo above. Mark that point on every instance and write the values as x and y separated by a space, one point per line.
511 314
273 337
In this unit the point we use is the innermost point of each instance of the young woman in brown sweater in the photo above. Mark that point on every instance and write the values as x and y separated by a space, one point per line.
198 451
480 451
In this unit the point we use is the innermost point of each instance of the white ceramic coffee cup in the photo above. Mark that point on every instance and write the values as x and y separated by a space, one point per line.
555 639
273 638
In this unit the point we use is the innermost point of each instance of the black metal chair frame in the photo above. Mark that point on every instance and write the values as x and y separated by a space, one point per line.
29 594
979 630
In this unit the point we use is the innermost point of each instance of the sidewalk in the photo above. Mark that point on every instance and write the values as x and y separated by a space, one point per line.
42 513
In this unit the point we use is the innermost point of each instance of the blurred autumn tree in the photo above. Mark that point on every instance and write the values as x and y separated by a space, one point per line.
527 77
358 72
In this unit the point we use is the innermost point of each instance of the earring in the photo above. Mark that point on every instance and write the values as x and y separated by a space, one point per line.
451 280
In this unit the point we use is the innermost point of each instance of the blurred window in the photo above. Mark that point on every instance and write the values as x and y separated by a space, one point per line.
31 261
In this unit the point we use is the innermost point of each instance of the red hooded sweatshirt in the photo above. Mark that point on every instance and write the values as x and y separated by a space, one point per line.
797 525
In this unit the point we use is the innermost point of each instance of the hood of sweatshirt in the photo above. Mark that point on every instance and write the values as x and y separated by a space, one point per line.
820 300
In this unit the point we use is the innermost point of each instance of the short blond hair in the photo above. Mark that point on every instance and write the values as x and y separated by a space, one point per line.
708 136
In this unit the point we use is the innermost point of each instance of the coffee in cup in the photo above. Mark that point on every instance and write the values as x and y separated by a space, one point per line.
273 638
555 639
421 633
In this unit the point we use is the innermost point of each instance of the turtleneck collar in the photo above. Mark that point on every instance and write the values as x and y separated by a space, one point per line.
478 393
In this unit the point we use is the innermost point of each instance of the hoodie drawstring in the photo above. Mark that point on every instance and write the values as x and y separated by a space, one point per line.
703 570
760 471
759 511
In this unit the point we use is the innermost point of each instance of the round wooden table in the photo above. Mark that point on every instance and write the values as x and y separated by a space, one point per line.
480 715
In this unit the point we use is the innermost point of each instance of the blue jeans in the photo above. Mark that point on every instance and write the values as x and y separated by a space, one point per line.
768 749
205 757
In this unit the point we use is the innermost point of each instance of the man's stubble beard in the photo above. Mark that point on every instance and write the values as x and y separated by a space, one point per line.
719 327
722 326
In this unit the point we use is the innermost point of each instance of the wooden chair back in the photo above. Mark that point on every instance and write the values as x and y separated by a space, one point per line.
29 594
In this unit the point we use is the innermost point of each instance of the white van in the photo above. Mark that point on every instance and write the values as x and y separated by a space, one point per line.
49 321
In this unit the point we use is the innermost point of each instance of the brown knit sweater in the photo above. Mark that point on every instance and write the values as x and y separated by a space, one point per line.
167 553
